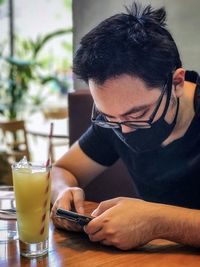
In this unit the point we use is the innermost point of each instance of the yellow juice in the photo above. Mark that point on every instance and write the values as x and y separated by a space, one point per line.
32 193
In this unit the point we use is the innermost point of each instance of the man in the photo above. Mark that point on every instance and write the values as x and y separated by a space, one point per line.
146 112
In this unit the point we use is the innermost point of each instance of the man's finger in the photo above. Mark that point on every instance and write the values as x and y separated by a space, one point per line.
93 227
63 203
105 205
78 197
97 237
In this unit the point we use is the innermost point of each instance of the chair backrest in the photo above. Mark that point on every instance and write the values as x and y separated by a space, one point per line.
55 113
15 139
115 181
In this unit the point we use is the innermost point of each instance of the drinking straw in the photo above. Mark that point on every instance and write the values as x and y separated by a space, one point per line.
48 163
50 145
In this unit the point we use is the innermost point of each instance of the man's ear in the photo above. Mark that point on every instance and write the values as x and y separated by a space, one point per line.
178 81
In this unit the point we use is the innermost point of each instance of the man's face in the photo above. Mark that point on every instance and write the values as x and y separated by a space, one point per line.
128 98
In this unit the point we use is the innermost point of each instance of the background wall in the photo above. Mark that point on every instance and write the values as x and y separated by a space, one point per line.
183 21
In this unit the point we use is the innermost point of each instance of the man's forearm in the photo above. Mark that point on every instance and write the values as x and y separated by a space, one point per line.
61 179
180 225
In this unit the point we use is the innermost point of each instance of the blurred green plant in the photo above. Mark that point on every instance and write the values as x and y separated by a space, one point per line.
21 73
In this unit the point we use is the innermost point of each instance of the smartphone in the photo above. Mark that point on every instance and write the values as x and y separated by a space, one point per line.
73 216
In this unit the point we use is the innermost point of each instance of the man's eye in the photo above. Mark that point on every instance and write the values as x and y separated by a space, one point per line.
139 116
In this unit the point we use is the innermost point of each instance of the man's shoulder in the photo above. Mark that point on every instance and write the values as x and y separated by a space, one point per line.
192 76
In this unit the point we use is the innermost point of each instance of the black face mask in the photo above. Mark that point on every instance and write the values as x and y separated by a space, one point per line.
143 140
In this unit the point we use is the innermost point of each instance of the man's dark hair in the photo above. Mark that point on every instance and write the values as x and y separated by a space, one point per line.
136 43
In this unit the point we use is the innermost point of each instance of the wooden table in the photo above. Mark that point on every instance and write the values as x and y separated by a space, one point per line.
76 250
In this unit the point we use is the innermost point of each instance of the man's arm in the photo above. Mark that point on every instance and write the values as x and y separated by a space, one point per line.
129 223
74 169
178 224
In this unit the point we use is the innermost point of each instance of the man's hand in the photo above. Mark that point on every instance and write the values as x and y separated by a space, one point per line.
69 199
125 223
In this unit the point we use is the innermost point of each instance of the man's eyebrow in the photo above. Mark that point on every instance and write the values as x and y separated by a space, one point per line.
130 111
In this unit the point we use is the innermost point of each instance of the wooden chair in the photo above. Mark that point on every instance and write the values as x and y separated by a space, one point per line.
5 170
56 113
14 138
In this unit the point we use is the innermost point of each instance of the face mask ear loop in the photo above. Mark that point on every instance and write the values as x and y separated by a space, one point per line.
169 93
177 109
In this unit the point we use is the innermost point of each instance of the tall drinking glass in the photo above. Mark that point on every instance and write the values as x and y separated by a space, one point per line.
32 187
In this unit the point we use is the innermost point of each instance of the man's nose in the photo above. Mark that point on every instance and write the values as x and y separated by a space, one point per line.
127 129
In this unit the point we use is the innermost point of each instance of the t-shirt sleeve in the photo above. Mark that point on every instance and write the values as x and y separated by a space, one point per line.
98 144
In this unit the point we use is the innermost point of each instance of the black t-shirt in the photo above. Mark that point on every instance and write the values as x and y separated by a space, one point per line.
169 174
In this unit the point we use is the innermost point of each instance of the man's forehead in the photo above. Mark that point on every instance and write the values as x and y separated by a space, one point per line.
122 88
120 80
123 85
122 96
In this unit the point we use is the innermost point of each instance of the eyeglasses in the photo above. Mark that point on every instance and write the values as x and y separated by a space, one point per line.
99 119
